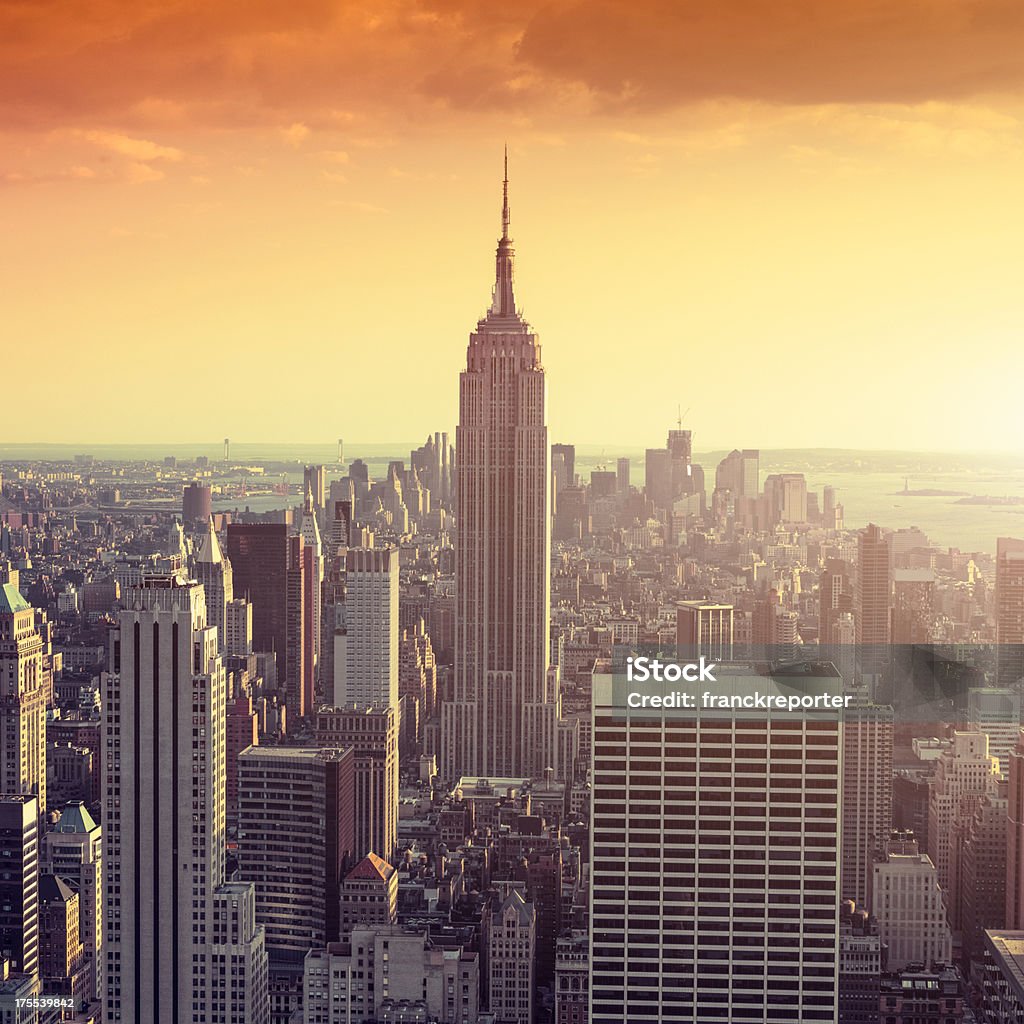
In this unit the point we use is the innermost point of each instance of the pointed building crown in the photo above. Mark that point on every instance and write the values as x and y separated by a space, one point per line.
208 550
503 301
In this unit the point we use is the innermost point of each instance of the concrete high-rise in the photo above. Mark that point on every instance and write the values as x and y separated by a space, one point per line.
74 851
1015 838
19 881
785 497
366 649
504 719
874 596
196 504
295 839
566 456
964 774
995 711
373 732
716 858
738 473
907 901
874 586
268 571
314 483
868 733
180 943
622 475
983 871
835 597
1010 609
312 597
706 628
509 935
22 699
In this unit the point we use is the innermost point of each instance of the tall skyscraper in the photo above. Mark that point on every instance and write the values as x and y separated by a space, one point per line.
366 649
715 877
983 871
874 596
964 774
995 711
373 732
509 934
314 480
312 597
566 454
622 475
785 497
658 478
180 944
504 718
267 567
738 473
907 901
196 504
22 699
835 597
1015 838
295 839
19 881
867 794
680 453
213 570
1010 609
74 851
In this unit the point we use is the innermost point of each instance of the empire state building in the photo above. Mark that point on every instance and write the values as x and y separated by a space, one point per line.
504 720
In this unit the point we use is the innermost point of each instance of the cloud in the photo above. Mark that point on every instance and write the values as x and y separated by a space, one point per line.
132 173
662 53
295 134
137 149
316 65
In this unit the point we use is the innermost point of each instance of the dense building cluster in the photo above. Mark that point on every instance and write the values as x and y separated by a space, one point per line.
312 744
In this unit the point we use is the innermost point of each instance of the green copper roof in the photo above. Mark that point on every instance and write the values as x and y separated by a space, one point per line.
11 599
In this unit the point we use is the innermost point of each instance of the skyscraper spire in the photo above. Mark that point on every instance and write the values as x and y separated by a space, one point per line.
503 301
504 200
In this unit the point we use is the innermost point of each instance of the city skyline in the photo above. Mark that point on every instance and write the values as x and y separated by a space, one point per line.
692 723
755 236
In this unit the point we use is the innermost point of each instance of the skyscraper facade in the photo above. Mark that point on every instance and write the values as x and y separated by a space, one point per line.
312 598
867 794
213 570
1010 609
874 586
268 571
19 881
22 699
504 717
716 863
180 944
295 838
366 649
373 732
74 851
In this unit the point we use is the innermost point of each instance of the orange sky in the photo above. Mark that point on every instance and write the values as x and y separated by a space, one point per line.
804 226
